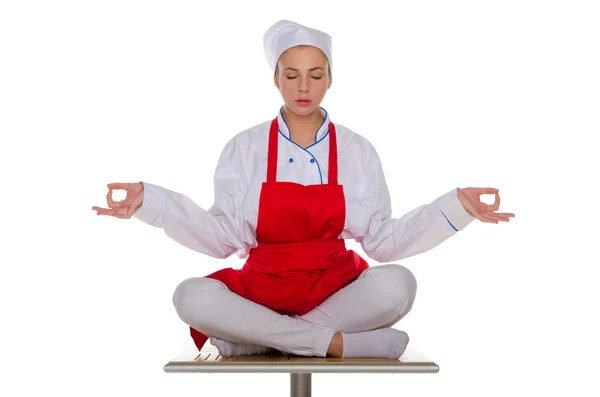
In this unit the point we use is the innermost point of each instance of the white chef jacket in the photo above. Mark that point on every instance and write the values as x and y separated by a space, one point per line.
229 225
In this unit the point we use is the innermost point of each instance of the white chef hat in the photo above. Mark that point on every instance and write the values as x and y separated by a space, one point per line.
285 34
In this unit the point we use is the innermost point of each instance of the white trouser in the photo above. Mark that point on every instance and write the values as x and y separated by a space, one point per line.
379 298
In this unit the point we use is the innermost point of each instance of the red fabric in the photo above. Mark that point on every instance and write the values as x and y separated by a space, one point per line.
300 260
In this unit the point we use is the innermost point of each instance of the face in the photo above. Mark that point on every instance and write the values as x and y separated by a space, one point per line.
303 74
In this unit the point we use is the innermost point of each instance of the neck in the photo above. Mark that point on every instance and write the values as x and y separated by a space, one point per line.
303 127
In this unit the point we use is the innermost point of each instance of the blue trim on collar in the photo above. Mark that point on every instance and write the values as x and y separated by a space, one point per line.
321 126
284 122
318 129
327 133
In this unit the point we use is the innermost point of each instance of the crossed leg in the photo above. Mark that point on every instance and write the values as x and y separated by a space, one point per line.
380 297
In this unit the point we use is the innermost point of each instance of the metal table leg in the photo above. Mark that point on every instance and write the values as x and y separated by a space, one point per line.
300 384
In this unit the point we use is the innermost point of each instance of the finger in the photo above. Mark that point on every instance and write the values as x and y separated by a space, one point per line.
120 204
133 197
109 211
479 215
123 213
499 217
474 198
505 214
113 203
104 211
486 190
481 206
496 205
510 214
118 185
109 199
133 201
485 218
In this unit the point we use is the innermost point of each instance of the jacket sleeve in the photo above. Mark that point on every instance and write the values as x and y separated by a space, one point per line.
388 239
216 232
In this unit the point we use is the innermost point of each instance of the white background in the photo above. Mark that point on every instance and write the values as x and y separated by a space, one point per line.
462 93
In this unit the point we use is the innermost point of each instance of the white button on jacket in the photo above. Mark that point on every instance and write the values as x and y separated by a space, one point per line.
229 225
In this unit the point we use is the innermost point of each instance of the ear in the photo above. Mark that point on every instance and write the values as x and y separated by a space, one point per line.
276 80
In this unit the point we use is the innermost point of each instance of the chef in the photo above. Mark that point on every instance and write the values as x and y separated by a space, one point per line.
288 192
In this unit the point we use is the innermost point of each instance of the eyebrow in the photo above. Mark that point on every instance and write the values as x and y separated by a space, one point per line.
310 70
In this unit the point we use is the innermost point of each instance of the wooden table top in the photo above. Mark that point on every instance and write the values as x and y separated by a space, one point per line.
209 360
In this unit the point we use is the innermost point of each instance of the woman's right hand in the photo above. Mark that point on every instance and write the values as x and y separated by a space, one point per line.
123 209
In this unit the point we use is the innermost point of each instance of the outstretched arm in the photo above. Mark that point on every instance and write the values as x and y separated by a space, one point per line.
386 239
218 231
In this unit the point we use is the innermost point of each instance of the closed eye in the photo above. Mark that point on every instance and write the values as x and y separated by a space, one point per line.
314 77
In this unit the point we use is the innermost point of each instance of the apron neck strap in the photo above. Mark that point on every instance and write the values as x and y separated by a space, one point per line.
272 155
333 163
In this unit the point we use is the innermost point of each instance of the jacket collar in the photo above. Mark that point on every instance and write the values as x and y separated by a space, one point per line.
320 133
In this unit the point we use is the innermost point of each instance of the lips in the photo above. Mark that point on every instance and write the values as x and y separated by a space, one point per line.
301 100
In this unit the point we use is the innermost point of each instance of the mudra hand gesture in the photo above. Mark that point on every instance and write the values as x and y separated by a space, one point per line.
123 209
469 198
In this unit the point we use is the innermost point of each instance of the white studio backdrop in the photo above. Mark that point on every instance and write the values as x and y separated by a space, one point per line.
461 93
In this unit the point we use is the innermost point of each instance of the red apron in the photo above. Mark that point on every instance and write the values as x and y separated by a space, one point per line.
300 260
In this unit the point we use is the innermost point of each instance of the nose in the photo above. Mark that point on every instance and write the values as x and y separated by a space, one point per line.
303 86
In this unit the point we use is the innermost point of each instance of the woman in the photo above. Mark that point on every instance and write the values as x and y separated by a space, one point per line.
287 193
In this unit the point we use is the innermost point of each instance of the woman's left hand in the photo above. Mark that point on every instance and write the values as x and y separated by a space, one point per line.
469 198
